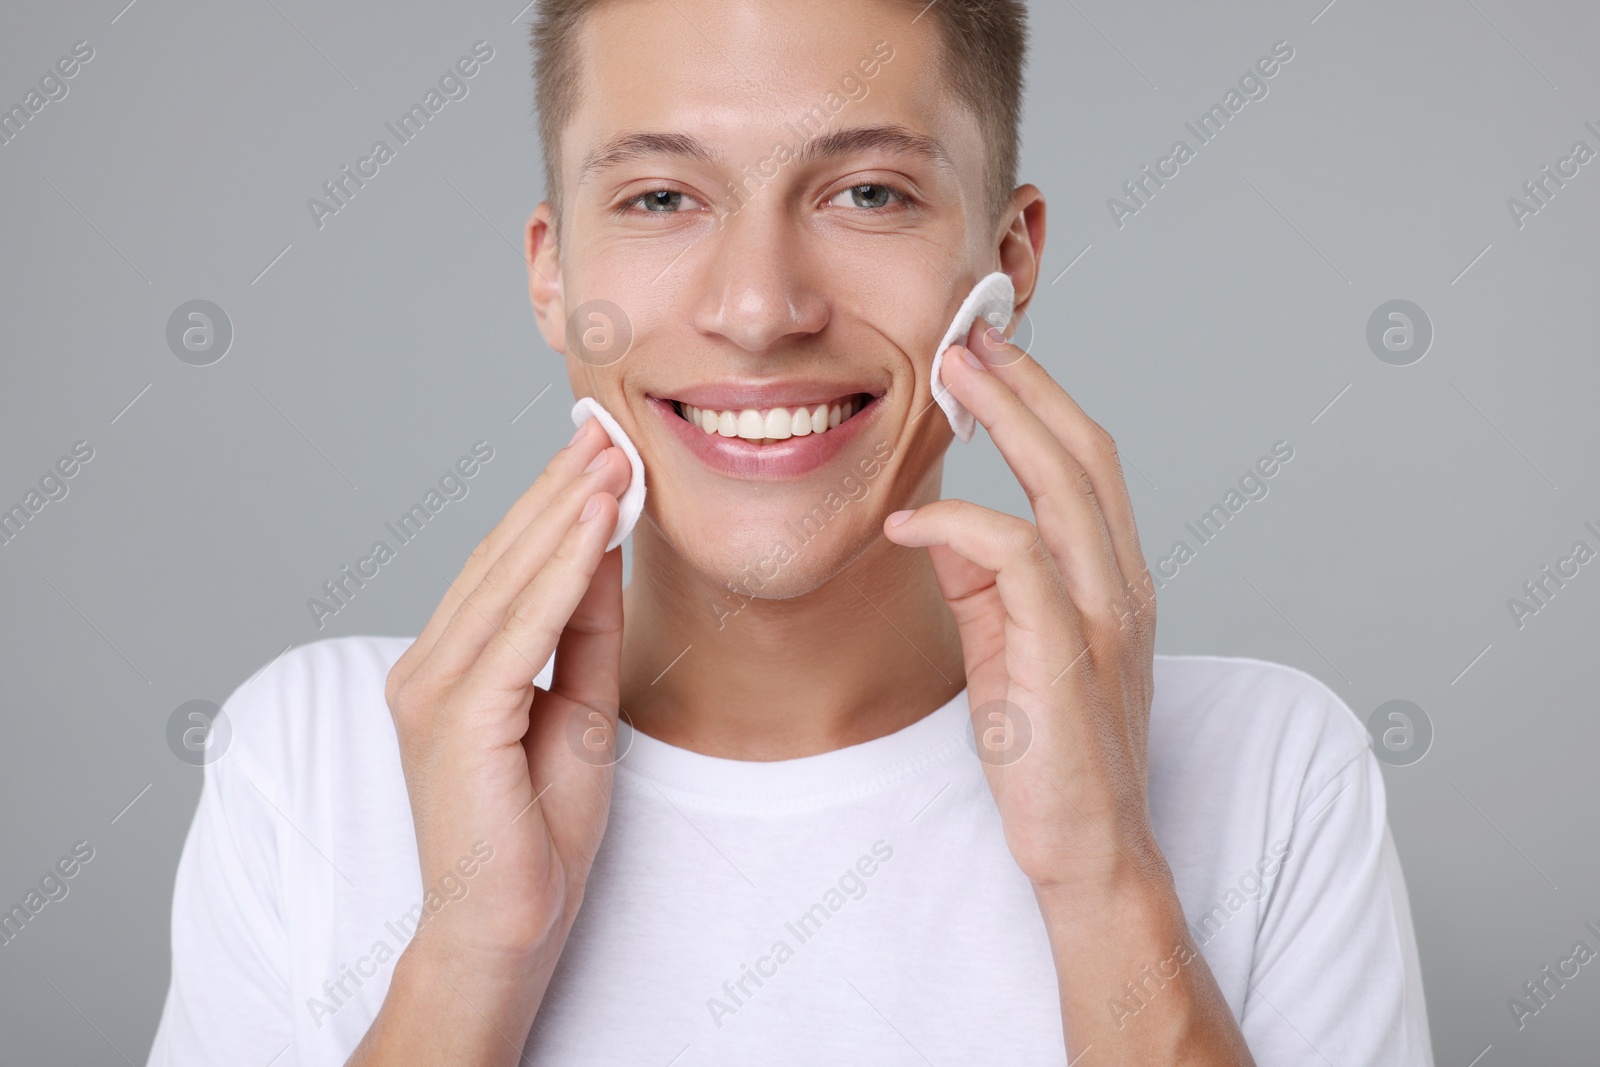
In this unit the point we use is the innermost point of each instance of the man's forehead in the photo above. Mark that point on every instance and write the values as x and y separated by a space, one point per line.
653 82
748 42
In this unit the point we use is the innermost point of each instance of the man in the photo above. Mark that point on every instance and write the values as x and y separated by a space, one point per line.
897 779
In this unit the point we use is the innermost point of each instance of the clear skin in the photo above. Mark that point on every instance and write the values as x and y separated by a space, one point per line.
847 267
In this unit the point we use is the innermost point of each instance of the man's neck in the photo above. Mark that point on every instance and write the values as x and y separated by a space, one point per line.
867 653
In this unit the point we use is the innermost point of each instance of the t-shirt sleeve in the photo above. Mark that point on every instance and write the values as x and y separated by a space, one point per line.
1335 978
228 1001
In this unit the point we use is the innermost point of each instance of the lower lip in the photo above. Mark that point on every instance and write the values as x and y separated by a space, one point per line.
780 460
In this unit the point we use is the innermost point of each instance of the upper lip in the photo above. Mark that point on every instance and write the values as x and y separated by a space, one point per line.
791 393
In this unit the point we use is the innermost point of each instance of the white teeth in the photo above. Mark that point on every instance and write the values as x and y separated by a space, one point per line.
752 427
775 424
779 425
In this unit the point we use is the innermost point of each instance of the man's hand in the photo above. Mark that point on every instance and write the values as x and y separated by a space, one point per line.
487 760
1057 623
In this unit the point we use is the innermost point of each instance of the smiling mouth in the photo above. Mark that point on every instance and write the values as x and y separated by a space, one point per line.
770 425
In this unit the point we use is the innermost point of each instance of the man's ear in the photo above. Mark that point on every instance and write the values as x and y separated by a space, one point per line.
544 273
1021 246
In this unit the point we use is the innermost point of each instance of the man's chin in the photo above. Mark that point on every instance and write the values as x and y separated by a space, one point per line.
771 560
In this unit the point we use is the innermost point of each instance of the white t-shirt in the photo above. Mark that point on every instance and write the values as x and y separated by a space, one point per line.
858 906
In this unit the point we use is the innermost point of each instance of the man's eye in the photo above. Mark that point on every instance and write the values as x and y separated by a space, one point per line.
662 201
871 197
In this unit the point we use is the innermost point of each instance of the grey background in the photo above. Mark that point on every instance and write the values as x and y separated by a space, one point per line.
1230 313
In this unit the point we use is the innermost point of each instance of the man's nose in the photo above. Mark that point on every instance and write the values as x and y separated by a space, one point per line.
761 285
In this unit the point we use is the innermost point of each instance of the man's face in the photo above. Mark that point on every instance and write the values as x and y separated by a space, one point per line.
751 279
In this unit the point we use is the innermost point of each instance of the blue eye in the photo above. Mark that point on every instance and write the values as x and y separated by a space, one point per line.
871 196
661 202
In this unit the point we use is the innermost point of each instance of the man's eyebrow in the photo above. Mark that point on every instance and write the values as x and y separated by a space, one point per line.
890 137
630 146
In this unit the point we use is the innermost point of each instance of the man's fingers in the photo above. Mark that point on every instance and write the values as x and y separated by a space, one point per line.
536 618
1058 486
1025 573
1088 442
506 578
589 653
565 466
579 714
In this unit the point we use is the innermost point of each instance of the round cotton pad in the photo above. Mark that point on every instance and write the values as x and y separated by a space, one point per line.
631 504
992 300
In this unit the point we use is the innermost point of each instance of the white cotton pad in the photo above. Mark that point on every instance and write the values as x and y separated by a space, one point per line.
991 299
631 504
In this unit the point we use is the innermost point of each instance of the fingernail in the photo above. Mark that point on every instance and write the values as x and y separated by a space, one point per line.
949 357
971 360
582 426
896 518
596 463
590 509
